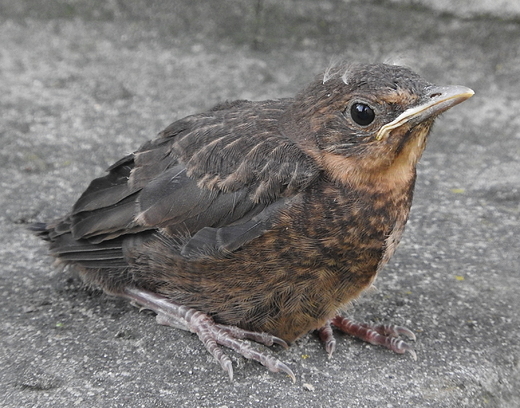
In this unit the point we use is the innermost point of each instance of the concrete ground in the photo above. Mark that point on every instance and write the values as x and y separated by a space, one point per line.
83 82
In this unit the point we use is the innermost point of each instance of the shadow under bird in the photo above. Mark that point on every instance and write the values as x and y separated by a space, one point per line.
261 220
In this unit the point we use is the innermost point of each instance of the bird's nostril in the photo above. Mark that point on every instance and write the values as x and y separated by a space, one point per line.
434 95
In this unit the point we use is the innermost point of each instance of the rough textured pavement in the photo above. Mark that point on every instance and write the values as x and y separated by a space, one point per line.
84 82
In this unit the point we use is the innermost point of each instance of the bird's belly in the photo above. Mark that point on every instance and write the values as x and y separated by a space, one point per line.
283 283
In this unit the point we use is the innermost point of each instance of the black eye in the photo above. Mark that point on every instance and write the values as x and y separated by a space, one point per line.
362 114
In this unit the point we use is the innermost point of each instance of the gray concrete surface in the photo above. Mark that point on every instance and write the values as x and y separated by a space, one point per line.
84 82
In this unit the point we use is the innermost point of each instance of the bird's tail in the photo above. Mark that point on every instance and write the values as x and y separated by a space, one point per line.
41 230
109 254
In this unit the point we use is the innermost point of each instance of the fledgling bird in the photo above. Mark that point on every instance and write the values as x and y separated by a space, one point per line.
261 220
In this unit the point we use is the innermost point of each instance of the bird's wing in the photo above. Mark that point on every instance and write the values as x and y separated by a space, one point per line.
217 178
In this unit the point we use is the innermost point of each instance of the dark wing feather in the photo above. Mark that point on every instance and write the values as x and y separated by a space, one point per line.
216 179
215 242
105 220
172 197
108 190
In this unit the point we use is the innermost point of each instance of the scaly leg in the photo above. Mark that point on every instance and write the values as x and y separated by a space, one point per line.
210 333
327 338
385 335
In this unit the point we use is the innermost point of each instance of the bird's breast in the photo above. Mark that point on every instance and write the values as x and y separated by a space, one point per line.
350 226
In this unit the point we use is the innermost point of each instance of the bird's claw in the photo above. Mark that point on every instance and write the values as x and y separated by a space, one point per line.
211 334
263 338
327 338
393 331
385 335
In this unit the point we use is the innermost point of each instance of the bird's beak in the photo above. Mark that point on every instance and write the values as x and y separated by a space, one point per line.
436 100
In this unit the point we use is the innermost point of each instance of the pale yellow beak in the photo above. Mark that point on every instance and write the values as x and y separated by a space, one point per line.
437 100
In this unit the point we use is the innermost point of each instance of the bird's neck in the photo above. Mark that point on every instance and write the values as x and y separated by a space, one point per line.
394 173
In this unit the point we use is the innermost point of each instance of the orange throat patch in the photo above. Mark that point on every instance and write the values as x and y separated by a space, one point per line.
377 170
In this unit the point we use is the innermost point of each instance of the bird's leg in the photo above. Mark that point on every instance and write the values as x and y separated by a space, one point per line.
327 338
209 332
385 335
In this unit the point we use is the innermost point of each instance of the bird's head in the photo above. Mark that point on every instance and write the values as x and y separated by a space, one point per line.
369 123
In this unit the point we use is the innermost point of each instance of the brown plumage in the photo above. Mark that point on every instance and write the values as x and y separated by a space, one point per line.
269 216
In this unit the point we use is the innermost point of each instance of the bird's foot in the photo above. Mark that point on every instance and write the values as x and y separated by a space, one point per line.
211 333
327 338
385 335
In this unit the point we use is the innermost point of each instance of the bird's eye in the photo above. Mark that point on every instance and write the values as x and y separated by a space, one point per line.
362 114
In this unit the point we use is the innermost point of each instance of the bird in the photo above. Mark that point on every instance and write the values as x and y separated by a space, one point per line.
260 221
